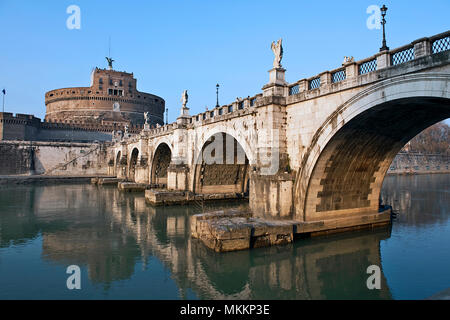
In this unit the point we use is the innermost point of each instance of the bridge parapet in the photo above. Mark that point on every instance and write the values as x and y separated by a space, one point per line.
362 72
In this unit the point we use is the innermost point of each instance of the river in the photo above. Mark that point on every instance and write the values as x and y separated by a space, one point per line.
128 250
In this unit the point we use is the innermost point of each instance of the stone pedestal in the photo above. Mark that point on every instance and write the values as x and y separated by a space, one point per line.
277 85
184 112
383 60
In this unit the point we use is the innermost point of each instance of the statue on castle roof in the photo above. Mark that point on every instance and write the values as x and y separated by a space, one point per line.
146 117
277 50
110 61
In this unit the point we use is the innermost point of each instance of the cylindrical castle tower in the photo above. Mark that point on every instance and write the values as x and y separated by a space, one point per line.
111 99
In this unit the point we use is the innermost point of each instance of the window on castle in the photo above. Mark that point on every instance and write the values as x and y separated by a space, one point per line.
115 92
100 80
110 82
120 83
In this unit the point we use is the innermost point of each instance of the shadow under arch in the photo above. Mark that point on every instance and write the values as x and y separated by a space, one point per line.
160 163
117 162
221 166
351 152
133 161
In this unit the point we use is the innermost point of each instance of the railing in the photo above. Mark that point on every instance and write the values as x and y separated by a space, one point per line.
367 66
294 89
440 45
403 55
338 76
314 83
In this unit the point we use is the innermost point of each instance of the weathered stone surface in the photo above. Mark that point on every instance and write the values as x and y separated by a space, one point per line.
131 187
110 181
227 231
53 158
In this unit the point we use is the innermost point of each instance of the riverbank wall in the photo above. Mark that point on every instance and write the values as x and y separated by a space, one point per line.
417 163
53 158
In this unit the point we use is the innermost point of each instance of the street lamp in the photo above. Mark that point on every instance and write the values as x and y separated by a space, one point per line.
217 95
383 22
167 115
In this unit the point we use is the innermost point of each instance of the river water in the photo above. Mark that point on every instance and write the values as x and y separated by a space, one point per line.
128 250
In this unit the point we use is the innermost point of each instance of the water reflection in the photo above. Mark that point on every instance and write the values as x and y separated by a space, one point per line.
112 232
419 200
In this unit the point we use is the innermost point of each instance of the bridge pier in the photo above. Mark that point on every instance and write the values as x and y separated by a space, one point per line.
271 196
178 177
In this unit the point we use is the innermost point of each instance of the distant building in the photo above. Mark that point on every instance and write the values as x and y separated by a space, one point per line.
112 98
88 113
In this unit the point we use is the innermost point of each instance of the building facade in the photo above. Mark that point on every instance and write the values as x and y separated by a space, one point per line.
111 99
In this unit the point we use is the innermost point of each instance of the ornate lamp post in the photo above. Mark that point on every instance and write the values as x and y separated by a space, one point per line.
383 22
217 95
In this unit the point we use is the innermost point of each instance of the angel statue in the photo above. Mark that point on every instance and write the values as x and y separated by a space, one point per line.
146 117
184 98
110 61
277 49
126 129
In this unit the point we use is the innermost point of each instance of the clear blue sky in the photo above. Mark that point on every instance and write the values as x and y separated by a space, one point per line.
175 45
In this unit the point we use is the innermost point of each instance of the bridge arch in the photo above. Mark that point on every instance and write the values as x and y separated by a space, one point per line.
221 165
344 167
160 163
239 136
132 163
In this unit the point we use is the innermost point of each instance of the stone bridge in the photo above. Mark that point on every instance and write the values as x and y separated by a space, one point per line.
314 150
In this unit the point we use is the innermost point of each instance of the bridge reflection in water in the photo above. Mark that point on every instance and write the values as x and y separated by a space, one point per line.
116 236
111 233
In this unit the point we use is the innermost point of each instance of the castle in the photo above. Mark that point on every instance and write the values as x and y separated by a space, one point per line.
111 103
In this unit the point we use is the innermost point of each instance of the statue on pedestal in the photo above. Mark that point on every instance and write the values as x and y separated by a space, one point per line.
277 49
184 98
146 117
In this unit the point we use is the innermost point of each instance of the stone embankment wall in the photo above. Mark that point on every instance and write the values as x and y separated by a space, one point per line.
52 158
416 163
